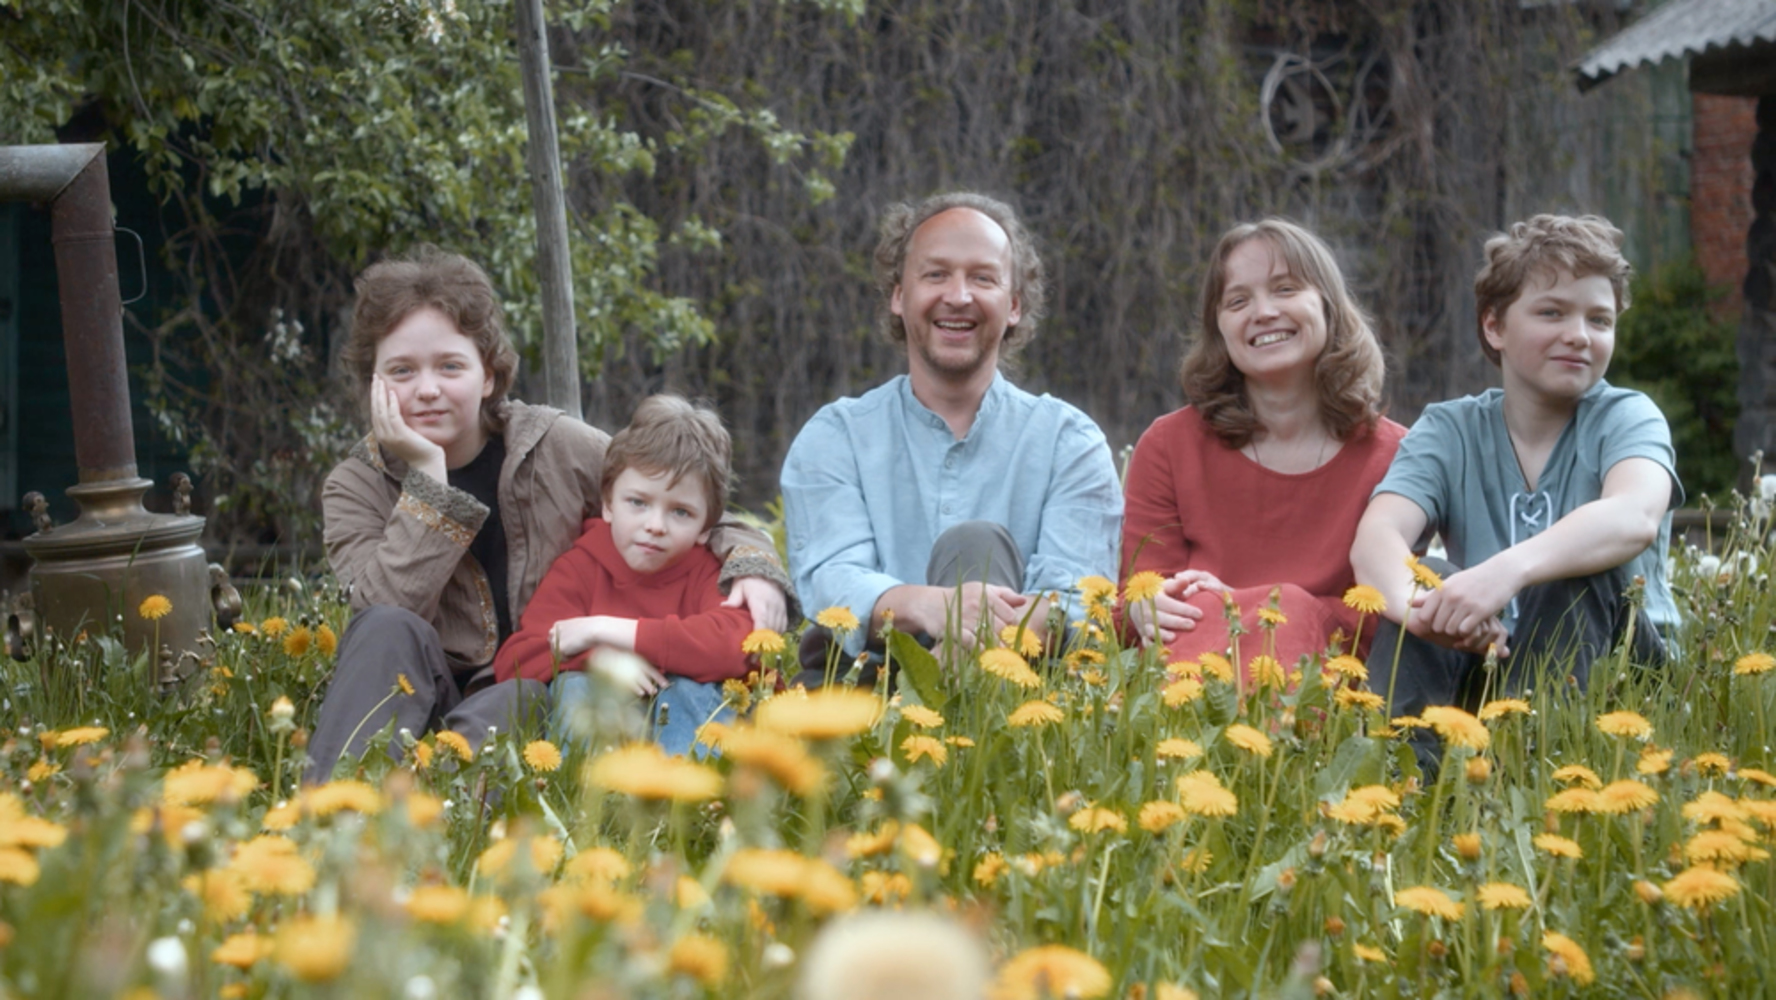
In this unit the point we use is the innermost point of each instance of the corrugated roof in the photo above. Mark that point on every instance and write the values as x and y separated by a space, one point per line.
1681 28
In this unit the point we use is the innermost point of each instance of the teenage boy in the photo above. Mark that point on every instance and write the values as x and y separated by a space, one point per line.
1552 495
642 579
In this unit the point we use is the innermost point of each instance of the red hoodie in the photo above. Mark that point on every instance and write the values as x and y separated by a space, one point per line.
681 629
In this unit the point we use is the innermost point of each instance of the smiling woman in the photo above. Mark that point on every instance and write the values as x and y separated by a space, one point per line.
1251 495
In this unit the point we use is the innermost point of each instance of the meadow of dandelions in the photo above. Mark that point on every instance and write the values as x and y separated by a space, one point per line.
1082 819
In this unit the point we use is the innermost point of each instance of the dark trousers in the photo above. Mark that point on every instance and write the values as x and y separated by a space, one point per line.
970 552
383 644
1563 626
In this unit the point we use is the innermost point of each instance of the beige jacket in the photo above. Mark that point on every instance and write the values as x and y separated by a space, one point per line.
397 536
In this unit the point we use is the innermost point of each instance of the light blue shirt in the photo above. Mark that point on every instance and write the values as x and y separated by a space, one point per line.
871 481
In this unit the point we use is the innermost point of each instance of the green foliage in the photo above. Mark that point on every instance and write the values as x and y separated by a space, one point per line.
1669 347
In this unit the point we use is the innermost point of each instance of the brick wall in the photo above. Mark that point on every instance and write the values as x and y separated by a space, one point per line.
1720 191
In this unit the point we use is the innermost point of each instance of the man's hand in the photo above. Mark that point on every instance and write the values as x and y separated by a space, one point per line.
1169 609
1463 615
399 440
929 609
767 602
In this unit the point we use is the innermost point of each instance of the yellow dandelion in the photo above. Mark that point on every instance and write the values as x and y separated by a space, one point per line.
927 747
1501 707
1095 589
866 845
959 741
644 771
245 628
1574 800
1648 893
1365 599
315 949
542 755
42 769
1467 845
1349 667
1630 724
273 627
1035 714
1094 819
1700 887
830 713
282 816
761 641
1215 665
1021 639
700 957
689 894
1763 812
1376 797
341 796
1573 961
1052 970
921 716
155 607
1557 846
1721 848
1196 860
1713 807
1368 954
80 736
326 640
838 618
270 865
1157 817
785 758
988 869
1577 774
298 641
1626 796
438 904
1752 664
18 867
1272 617
1479 769
243 950
1758 776
1502 896
1007 665
1357 698
1265 671
1176 748
404 684
597 864
1143 586
1181 692
422 755
1200 793
1423 577
456 743
1430 901
1711 763
1248 739
1457 727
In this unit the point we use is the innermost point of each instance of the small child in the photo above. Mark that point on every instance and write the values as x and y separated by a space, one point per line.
641 579
1552 495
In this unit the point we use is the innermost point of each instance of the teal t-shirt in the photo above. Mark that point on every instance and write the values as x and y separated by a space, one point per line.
1458 465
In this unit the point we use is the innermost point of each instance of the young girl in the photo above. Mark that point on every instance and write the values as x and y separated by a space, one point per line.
442 522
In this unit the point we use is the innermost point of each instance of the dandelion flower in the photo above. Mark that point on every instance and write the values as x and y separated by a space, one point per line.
827 714
1711 762
1648 892
315 949
243 950
1457 727
18 867
245 628
1479 769
838 618
1750 664
273 627
196 783
80 736
1365 599
1577 774
326 640
1007 665
1575 800
42 770
1021 639
1630 724
1557 846
597 864
456 743
1653 761
1216 665
1348 666
270 864
927 747
920 846
1502 896
404 684
1175 748
1265 671
959 741
1701 886
1720 848
921 716
1196 860
644 771
1713 807
1157 817
542 755
1052 970
1202 794
1501 707
155 607
341 796
785 758
1248 739
1355 698
988 869
700 957
1272 617
1758 776
1430 901
1368 954
1572 959
1626 796
1034 714
1143 586
298 641
1467 845
1096 820
865 845
1181 692
1095 589
438 904
761 641
1424 577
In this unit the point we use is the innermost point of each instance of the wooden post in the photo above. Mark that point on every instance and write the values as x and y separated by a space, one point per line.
561 346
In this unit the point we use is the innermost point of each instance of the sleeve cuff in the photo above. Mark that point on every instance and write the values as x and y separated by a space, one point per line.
746 560
441 507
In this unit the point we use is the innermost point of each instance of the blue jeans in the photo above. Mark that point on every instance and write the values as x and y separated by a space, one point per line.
674 715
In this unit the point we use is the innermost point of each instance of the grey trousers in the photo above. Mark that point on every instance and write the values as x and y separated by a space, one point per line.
384 643
970 552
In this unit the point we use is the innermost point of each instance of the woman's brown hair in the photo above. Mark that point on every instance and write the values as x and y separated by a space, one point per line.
1347 375
389 291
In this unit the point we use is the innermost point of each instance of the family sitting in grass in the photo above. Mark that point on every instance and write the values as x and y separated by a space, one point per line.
490 546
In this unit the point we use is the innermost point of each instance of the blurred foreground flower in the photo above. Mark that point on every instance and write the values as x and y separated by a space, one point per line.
646 772
315 949
894 956
1051 970
826 714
